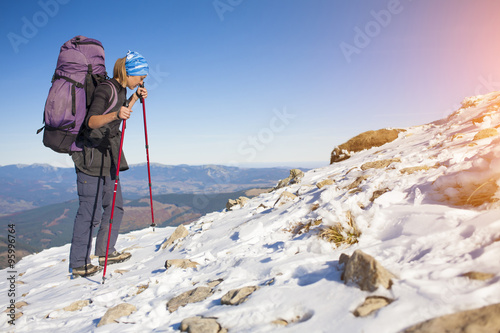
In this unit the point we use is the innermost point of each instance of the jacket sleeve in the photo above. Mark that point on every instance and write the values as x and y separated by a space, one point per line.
100 102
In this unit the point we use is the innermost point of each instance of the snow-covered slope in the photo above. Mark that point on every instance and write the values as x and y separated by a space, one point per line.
432 219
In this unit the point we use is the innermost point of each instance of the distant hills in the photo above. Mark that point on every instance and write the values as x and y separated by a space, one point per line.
25 187
52 225
41 200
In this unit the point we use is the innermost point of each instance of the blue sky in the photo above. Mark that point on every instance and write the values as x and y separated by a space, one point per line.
255 82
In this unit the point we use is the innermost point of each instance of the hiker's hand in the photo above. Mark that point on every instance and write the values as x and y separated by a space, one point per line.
124 113
142 92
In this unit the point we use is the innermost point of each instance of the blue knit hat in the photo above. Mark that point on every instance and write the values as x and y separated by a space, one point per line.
136 65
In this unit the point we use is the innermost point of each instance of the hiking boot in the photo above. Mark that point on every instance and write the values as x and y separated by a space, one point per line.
115 257
87 270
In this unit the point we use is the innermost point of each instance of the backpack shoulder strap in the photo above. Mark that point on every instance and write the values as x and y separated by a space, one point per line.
113 98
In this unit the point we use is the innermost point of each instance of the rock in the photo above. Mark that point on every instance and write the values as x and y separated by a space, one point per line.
363 141
179 233
17 315
20 304
363 270
324 183
121 271
343 259
381 164
240 201
284 198
280 322
479 276
237 296
192 296
370 305
78 305
215 283
121 310
181 263
295 176
201 325
482 320
230 204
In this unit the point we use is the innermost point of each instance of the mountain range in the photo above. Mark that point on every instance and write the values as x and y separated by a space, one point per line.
41 200
25 187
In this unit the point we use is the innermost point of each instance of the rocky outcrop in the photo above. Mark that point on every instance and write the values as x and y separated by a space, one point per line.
201 325
363 141
241 201
238 296
284 198
179 233
482 320
370 305
121 310
295 177
192 296
366 272
324 183
77 305
479 276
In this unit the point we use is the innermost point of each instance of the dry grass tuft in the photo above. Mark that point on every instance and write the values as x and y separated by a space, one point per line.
357 182
303 228
484 193
485 133
411 170
471 194
480 119
468 103
365 140
340 235
379 193
141 288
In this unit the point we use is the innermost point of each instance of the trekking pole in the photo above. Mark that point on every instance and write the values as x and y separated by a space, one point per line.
114 197
147 157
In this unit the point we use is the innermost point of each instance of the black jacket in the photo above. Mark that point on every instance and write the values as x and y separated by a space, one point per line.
101 147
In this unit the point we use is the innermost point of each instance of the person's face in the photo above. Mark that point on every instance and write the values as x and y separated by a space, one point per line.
134 81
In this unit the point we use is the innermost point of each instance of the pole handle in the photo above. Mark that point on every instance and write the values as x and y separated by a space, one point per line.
142 99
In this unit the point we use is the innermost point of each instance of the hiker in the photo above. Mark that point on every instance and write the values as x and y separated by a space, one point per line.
96 165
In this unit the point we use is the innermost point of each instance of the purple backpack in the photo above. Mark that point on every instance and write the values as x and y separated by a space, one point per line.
80 68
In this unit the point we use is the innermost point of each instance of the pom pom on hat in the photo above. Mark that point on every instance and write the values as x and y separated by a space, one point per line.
136 65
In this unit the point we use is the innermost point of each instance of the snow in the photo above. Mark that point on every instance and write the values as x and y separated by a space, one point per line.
416 229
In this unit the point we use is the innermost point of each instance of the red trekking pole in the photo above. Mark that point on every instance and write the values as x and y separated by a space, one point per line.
114 197
147 157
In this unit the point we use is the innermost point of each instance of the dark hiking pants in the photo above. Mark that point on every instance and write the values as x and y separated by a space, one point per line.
96 198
